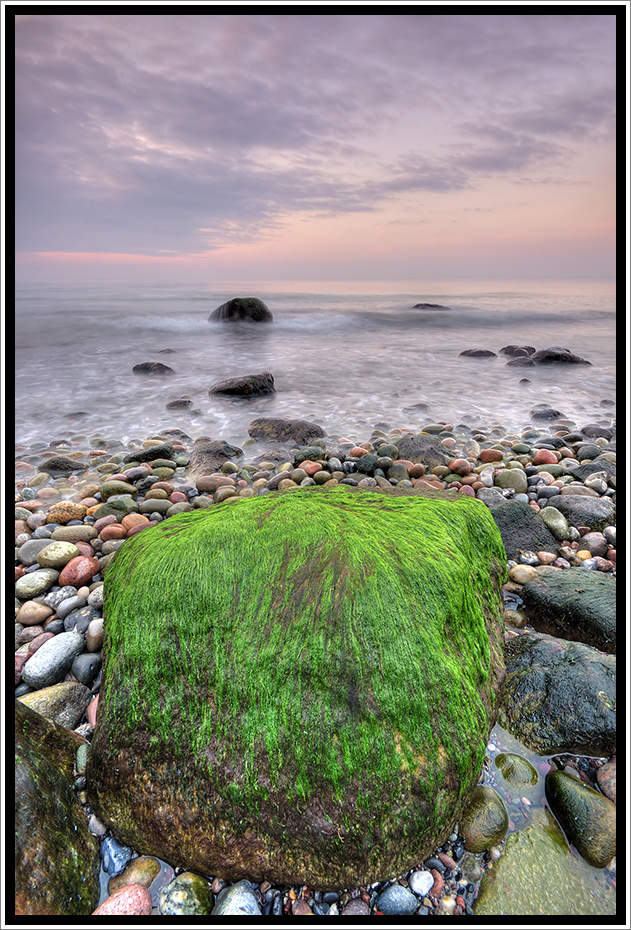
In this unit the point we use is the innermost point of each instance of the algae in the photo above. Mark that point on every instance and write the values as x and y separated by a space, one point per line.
274 626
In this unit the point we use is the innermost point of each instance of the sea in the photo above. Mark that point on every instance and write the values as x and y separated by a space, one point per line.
345 355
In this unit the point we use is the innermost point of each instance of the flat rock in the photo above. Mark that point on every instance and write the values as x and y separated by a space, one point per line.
479 353
152 368
575 605
279 429
559 696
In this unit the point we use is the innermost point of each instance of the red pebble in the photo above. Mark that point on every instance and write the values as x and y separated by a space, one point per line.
178 498
19 571
611 555
491 455
447 861
78 571
138 528
104 521
544 457
132 899
460 901
113 531
466 489
91 711
39 641
460 467
437 888
20 661
300 906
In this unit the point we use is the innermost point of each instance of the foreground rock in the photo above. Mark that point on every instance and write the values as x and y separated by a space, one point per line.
242 308
279 429
51 830
537 874
521 528
575 604
588 819
209 455
559 696
273 721
246 385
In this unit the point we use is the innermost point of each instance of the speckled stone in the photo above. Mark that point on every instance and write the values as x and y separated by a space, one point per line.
236 900
187 894
130 900
57 554
64 511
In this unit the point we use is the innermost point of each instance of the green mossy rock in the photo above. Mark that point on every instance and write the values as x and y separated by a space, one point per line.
587 818
537 874
299 686
56 858
484 821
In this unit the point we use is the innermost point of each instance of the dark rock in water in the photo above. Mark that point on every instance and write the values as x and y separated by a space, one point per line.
208 455
414 407
518 350
56 857
423 449
152 368
322 761
75 415
559 696
580 510
520 361
243 308
522 529
558 354
115 855
588 819
430 307
166 351
545 412
595 430
164 451
573 604
180 404
479 353
278 429
62 464
246 385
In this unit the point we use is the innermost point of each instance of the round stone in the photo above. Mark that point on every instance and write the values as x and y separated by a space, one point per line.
188 894
32 613
484 821
52 660
79 571
35 583
57 554
130 900
396 900
587 817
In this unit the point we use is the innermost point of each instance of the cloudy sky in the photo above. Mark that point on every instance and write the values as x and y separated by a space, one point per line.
292 147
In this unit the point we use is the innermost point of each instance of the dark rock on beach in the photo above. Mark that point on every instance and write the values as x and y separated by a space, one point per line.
163 451
152 368
575 605
51 829
521 528
246 385
425 450
242 308
278 429
559 696
545 412
579 510
208 455
588 819
317 762
61 464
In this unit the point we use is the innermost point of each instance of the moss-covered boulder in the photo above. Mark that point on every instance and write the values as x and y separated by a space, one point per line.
299 686
56 858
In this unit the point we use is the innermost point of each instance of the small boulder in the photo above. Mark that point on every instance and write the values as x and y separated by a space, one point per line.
208 455
424 306
279 429
484 821
517 351
479 353
245 386
587 817
152 368
581 510
521 528
558 354
242 308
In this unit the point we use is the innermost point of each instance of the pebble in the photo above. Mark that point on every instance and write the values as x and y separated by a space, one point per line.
131 900
420 882
53 660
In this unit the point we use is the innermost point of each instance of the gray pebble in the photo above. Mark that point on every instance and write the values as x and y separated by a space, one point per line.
55 597
52 661
396 900
115 855
237 900
66 607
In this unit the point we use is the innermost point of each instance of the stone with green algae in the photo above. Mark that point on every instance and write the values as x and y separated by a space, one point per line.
300 686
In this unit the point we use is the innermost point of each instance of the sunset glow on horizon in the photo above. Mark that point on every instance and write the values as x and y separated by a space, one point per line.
291 147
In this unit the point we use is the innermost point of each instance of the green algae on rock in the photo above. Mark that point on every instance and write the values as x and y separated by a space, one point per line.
299 686
51 830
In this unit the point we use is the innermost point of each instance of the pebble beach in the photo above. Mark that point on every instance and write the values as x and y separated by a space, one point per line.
79 497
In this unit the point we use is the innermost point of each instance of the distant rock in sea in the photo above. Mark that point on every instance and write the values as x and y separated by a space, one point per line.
242 308
246 385
152 368
423 306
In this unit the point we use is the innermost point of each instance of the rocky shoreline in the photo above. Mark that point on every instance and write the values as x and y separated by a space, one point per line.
551 491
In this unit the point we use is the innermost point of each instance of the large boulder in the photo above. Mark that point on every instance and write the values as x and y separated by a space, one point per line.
246 385
242 308
57 859
575 604
559 696
280 429
299 687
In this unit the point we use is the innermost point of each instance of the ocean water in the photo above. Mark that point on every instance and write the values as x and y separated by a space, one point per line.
346 356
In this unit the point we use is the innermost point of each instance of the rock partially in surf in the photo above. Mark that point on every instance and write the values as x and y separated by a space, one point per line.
517 350
558 354
545 412
279 429
423 306
162 451
246 386
520 361
62 464
242 308
181 403
152 368
479 353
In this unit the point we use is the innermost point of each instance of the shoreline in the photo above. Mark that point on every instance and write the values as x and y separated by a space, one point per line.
125 489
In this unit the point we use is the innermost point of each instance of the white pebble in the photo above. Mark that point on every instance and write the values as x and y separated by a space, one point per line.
420 882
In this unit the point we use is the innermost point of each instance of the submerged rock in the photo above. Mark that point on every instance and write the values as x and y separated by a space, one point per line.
269 716
484 821
246 385
559 696
152 368
558 354
56 857
242 308
538 875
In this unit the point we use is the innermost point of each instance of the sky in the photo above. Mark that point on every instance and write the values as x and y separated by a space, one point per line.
290 147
